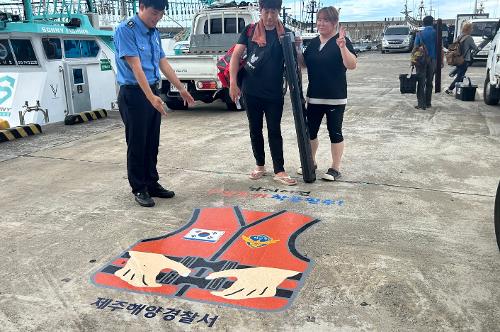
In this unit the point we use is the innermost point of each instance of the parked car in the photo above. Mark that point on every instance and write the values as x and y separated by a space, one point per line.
397 38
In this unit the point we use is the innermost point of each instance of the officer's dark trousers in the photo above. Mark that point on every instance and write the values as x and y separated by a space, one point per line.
142 132
273 110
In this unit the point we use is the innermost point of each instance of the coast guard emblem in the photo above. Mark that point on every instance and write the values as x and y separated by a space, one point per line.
258 241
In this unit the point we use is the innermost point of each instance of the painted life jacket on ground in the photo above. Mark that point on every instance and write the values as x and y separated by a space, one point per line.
251 255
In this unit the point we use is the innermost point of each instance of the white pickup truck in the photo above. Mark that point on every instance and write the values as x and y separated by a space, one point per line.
214 30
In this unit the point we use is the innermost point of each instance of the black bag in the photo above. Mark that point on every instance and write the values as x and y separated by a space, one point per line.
466 92
408 82
257 57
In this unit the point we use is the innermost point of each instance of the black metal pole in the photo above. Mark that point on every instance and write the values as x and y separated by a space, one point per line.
303 141
439 47
497 216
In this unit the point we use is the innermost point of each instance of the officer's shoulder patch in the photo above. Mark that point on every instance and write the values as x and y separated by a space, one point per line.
131 24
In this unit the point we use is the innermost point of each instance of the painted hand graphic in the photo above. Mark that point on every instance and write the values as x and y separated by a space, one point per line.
142 269
251 282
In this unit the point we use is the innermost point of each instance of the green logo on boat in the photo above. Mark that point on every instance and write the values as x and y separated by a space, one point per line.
6 89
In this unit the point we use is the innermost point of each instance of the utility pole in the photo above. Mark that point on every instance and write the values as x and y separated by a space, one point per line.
481 8
123 10
421 10
284 15
312 11
439 47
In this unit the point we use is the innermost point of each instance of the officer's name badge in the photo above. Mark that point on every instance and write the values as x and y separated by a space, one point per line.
205 235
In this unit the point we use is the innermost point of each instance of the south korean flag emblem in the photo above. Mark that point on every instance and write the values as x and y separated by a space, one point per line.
205 235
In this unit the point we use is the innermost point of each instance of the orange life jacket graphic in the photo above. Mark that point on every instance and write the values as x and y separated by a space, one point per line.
222 255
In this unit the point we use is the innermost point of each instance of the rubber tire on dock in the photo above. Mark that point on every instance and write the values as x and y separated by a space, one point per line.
306 161
497 216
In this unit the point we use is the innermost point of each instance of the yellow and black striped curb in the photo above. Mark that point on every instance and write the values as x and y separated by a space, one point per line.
85 117
19 132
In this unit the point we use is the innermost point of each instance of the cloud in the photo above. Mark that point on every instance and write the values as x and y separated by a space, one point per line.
370 10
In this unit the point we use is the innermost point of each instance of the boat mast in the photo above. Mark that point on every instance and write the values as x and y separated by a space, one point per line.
28 10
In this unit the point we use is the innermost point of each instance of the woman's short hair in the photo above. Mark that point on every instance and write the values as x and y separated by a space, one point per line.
270 4
329 13
467 28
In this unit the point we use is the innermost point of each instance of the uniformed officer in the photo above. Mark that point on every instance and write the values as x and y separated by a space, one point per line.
139 59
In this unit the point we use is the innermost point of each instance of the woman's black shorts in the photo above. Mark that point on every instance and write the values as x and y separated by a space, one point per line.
334 118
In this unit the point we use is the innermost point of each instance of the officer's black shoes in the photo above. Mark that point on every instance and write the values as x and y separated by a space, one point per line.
158 191
143 198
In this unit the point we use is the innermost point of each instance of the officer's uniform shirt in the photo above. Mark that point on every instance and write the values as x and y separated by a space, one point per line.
134 38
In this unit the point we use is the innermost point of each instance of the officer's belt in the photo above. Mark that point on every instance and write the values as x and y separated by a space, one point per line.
137 86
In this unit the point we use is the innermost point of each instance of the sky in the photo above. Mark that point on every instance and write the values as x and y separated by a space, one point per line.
368 10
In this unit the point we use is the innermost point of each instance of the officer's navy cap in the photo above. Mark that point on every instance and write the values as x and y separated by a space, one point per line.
156 4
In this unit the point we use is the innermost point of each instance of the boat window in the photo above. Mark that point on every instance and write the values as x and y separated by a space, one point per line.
52 48
24 52
78 76
72 48
80 48
90 48
6 58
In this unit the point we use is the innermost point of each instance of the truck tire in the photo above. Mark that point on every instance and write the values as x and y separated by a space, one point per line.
490 93
175 103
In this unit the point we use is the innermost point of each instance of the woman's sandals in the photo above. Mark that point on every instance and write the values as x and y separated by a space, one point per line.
285 179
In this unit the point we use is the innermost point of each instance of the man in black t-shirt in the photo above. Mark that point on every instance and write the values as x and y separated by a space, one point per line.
262 87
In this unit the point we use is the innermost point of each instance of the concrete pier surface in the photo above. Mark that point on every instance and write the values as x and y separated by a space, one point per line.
405 239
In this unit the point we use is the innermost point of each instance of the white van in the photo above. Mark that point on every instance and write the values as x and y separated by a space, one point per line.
479 26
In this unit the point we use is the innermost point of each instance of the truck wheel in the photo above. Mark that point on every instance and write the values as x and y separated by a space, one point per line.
175 103
490 92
